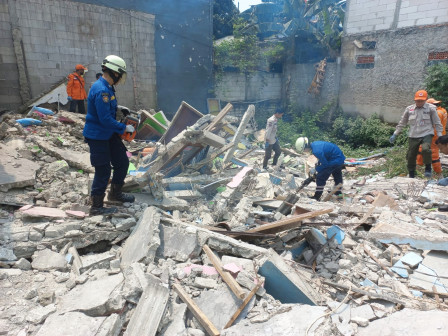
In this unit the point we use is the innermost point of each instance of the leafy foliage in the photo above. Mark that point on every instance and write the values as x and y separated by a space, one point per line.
437 82
224 13
242 52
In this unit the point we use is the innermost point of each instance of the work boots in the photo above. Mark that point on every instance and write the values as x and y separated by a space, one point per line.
98 206
115 194
317 195
428 172
412 173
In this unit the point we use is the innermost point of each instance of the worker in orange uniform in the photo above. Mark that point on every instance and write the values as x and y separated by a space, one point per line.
76 89
443 116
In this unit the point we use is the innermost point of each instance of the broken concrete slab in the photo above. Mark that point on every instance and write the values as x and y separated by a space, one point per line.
150 309
409 322
39 314
72 324
178 243
401 229
364 311
167 204
144 240
438 262
47 260
16 172
94 298
96 260
287 284
7 254
177 324
219 305
293 322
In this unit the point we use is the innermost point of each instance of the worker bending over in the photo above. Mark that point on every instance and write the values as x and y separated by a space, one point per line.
330 162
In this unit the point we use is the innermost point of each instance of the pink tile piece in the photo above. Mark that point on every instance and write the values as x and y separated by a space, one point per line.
239 177
78 214
45 212
26 207
232 268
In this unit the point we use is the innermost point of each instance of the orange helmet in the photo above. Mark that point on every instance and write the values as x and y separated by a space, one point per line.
421 95
80 67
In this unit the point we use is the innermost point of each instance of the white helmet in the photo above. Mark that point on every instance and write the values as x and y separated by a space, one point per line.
116 64
301 144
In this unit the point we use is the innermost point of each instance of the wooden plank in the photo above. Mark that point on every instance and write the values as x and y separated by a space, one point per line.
378 262
220 116
335 190
229 280
197 312
185 116
289 223
239 133
150 309
243 305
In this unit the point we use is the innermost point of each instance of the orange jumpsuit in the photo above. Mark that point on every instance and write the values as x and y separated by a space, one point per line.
76 87
436 165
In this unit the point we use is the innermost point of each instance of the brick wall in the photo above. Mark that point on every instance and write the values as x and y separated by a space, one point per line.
401 58
373 15
58 34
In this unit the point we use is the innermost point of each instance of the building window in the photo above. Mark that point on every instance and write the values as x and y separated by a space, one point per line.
368 44
365 62
437 57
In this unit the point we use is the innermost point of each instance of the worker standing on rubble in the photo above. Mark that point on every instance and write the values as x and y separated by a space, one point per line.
102 133
423 119
330 162
436 165
76 89
271 141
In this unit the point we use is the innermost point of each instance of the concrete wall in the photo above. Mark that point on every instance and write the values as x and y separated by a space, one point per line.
374 15
298 78
183 47
55 35
401 59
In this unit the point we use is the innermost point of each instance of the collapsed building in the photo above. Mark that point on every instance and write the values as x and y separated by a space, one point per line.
210 247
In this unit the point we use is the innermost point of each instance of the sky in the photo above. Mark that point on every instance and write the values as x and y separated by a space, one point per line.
245 4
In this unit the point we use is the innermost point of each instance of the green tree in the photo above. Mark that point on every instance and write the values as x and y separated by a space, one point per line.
224 14
436 82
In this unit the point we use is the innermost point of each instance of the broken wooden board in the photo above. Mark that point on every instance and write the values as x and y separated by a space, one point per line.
226 276
149 311
185 116
16 172
219 117
289 223
197 312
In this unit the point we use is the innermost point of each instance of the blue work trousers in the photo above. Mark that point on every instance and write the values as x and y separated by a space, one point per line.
105 155
324 174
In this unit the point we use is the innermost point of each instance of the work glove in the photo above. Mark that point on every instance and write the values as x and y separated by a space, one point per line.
313 172
392 138
129 129
69 98
266 145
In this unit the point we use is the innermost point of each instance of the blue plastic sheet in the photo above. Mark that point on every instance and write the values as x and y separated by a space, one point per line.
29 121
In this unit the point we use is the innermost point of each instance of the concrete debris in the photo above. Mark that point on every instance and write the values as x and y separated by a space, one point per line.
204 249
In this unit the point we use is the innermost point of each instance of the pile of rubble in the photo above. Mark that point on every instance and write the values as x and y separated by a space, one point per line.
204 250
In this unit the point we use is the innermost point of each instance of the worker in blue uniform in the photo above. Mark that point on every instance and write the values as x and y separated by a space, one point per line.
330 162
102 133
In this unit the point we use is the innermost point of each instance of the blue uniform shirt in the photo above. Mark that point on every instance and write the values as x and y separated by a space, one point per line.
101 112
328 154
